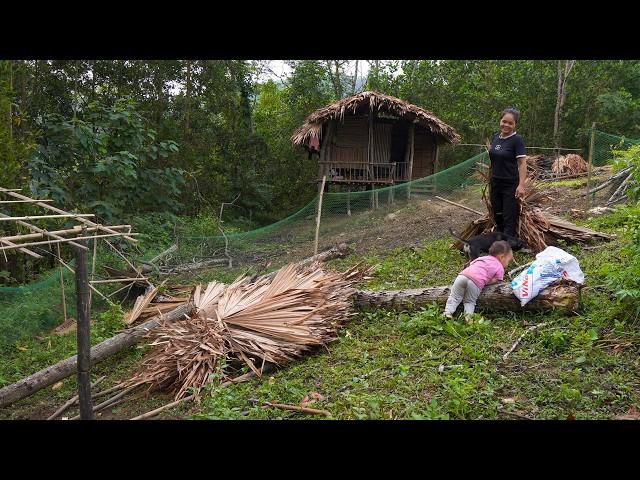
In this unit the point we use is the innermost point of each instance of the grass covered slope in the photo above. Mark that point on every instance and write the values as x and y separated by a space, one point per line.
419 365
416 365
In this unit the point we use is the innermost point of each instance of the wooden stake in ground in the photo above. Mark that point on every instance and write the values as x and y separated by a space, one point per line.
315 244
83 334
593 132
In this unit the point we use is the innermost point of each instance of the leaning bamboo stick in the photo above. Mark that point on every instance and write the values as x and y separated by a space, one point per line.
71 401
4 202
49 207
459 205
64 300
63 240
90 286
118 280
36 217
10 190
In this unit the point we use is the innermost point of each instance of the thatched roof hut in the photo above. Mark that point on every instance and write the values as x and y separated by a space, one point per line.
374 138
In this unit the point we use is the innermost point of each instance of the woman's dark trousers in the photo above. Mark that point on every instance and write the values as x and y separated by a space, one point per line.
505 205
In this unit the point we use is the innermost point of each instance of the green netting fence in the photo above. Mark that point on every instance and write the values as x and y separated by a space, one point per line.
383 218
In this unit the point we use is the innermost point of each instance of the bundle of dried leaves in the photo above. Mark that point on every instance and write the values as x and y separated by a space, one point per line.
571 164
274 319
535 227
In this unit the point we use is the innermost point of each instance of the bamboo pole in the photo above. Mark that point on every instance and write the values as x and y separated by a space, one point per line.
593 134
119 280
315 244
459 205
76 229
63 240
38 217
90 286
93 266
4 202
54 209
23 250
41 230
412 129
64 300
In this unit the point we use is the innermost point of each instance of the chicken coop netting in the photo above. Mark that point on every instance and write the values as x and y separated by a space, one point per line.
384 217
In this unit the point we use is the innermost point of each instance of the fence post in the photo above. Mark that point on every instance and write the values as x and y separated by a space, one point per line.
593 133
315 247
83 332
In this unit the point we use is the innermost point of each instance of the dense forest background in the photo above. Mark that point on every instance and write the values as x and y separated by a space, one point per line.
124 137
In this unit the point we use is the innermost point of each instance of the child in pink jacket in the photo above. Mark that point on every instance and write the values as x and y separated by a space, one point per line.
482 271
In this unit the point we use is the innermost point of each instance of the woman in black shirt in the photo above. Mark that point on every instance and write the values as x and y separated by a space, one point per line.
508 172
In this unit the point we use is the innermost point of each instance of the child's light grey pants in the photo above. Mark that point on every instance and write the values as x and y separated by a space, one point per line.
462 290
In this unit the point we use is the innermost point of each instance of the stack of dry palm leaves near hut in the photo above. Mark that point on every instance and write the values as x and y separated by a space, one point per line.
275 319
537 228
571 164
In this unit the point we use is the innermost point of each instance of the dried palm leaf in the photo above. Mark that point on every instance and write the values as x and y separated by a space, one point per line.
142 302
275 319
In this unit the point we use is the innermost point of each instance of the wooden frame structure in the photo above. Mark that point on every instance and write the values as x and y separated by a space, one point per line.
78 238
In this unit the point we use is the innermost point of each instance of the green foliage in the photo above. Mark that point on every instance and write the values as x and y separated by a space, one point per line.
556 340
106 161
427 320
621 274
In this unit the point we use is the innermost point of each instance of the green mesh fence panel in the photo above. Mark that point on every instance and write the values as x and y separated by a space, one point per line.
31 309
604 144
346 216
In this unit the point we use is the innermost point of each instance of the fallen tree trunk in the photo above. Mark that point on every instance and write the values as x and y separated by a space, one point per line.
50 375
564 295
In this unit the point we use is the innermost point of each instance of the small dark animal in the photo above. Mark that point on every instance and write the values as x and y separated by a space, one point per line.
481 243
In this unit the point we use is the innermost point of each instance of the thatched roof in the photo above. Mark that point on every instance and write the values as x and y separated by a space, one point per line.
373 102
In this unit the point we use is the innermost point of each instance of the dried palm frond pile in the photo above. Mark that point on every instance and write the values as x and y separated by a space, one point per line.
275 319
571 164
536 228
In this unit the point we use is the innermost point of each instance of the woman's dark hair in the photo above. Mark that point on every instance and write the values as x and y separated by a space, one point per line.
512 111
499 247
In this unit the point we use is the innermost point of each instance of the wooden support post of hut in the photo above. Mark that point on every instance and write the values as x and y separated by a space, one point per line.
409 156
371 140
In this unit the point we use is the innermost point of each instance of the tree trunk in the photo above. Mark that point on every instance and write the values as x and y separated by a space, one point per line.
561 97
50 375
495 298
188 106
355 80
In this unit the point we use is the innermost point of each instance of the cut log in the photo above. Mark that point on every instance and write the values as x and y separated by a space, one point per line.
50 375
564 295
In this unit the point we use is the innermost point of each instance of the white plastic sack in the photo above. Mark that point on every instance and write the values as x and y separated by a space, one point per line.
550 265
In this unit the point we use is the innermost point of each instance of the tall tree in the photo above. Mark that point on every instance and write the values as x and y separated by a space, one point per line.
564 69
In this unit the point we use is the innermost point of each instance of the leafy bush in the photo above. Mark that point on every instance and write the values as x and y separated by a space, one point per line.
107 161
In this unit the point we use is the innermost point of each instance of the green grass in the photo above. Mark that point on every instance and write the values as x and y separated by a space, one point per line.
417 364
389 364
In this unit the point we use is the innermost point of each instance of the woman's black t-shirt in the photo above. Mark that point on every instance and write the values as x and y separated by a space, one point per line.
504 153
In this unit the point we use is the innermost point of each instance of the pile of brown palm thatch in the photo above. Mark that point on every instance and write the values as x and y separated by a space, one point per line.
571 164
538 229
274 319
